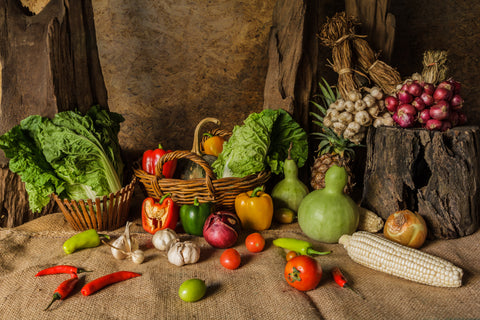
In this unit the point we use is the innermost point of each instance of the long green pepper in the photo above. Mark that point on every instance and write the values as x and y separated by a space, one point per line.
86 239
299 246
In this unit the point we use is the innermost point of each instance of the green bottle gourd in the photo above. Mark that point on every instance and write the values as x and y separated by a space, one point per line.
289 192
327 214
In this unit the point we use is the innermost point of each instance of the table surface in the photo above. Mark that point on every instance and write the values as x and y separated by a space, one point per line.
256 290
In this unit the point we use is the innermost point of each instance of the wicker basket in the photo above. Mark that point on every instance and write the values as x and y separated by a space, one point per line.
105 213
221 192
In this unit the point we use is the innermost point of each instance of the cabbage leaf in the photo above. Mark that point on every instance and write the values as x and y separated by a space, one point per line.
262 143
76 156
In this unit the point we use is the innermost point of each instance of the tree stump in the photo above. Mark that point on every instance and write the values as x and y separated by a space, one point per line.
436 174
49 63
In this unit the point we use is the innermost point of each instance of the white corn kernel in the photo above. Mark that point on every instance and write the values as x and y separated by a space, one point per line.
384 255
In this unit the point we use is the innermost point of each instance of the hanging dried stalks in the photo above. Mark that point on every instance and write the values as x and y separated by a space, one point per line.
338 33
335 34
434 66
383 75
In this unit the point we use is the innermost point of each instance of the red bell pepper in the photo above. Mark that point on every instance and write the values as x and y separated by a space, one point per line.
159 215
150 159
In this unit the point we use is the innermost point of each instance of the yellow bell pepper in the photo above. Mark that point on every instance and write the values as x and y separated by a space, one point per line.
254 209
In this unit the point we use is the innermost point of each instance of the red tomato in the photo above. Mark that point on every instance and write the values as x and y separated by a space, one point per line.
255 242
230 259
303 273
290 255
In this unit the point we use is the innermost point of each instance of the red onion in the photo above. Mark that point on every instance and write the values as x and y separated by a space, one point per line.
434 124
456 86
418 104
424 116
462 118
404 96
404 120
427 99
428 88
406 108
391 103
415 89
440 111
453 118
405 86
442 94
445 85
456 101
446 125
221 229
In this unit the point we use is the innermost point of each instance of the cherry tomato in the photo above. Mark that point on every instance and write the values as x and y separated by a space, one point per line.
255 242
230 259
290 255
303 273
192 290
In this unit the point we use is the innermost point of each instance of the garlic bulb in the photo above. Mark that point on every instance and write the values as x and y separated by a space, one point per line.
162 238
124 244
138 256
181 253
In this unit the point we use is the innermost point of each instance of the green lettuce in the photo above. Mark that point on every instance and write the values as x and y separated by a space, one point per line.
262 143
76 156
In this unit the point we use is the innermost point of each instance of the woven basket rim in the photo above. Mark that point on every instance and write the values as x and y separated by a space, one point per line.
131 184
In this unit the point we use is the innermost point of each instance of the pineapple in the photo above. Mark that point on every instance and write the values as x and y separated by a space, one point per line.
333 149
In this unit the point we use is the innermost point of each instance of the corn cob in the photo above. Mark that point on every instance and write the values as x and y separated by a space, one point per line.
369 221
384 255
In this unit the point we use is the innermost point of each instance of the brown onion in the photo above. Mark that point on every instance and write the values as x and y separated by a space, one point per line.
406 228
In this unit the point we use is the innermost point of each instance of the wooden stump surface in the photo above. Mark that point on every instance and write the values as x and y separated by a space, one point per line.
434 173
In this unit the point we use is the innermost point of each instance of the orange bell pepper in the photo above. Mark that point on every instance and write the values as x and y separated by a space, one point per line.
159 215
254 209
213 145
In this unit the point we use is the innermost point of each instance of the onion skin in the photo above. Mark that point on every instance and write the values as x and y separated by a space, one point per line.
221 229
407 228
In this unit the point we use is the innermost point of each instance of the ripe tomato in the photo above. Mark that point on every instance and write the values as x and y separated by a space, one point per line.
290 255
303 273
230 259
255 242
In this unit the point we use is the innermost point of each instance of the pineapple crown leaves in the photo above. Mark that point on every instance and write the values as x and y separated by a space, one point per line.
330 141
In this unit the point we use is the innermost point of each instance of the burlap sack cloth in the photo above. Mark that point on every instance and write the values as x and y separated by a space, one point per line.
257 290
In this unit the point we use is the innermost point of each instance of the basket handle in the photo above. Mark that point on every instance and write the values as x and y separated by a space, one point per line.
197 136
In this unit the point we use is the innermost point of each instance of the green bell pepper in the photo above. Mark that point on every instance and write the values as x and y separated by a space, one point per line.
86 239
193 217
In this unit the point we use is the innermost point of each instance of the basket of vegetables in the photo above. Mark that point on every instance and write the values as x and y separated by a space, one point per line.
249 156
75 159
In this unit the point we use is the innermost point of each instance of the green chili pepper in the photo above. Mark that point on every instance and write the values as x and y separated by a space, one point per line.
86 239
193 217
299 246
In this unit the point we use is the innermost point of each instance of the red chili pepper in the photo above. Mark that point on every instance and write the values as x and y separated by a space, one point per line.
64 289
341 280
60 269
99 283
150 159
159 215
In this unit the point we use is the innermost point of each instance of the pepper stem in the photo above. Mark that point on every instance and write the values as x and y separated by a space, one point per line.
195 202
255 191
104 236
164 197
56 296
160 146
311 251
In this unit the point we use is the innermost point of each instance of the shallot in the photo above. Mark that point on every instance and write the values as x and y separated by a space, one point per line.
391 103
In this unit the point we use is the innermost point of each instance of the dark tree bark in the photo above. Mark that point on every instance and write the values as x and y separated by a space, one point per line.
434 173
376 23
49 64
